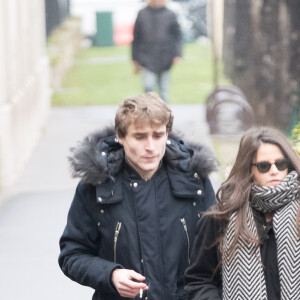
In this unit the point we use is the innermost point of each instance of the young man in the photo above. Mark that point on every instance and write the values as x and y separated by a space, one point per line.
132 221
156 46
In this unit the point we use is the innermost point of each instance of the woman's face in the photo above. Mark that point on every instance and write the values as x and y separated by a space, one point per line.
269 153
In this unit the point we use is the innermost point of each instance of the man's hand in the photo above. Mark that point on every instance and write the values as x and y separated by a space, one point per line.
176 60
136 67
123 282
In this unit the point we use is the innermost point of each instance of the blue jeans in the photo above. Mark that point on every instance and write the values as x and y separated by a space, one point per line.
151 81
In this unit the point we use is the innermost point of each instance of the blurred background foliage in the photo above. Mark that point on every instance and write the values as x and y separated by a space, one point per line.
296 138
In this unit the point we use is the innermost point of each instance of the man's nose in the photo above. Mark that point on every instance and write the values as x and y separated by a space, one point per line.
150 144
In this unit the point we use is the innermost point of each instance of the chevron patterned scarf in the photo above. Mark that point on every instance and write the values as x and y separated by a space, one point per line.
243 274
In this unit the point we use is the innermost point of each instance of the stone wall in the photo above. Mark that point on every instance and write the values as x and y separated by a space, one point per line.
24 83
63 44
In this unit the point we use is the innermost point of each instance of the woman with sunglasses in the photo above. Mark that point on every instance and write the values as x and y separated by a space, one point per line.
248 245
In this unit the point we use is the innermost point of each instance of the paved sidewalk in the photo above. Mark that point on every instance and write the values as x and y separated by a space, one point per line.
33 212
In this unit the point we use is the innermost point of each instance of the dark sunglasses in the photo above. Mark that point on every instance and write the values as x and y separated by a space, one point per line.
265 166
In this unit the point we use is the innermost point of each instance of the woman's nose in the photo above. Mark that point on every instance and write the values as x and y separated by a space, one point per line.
273 169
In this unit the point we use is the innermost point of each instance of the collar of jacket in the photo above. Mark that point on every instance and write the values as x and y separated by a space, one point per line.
99 158
157 8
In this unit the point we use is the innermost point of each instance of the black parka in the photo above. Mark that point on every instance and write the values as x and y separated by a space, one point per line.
156 39
119 220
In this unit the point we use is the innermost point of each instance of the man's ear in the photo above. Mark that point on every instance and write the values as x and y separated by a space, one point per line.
119 140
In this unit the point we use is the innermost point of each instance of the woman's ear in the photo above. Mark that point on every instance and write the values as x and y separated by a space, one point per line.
253 181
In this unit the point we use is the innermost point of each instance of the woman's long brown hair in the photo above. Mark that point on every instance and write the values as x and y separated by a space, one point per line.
234 193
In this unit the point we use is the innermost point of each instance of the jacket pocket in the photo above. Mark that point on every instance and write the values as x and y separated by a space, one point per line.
187 238
117 231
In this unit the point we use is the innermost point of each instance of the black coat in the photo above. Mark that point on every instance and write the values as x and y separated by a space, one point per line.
157 39
201 284
119 220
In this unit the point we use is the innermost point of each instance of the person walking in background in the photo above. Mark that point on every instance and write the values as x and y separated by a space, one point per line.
248 246
133 217
156 46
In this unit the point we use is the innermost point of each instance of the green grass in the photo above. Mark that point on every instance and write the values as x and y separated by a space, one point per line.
104 76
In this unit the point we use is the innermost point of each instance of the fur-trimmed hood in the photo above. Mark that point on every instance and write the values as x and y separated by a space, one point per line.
100 157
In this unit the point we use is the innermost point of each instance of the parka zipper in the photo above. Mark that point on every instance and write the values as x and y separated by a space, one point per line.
187 236
117 231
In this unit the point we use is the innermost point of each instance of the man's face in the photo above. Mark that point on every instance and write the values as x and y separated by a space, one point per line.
157 3
145 147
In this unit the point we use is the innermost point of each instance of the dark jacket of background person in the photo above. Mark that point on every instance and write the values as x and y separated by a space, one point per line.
123 221
205 250
157 39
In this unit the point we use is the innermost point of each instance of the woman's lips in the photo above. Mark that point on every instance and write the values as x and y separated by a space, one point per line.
275 181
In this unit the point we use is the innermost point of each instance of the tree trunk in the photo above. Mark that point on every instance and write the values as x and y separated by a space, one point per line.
293 7
264 57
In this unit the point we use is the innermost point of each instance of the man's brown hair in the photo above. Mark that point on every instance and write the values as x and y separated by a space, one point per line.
143 109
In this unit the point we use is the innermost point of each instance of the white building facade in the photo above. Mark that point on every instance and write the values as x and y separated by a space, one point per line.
24 83
124 12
